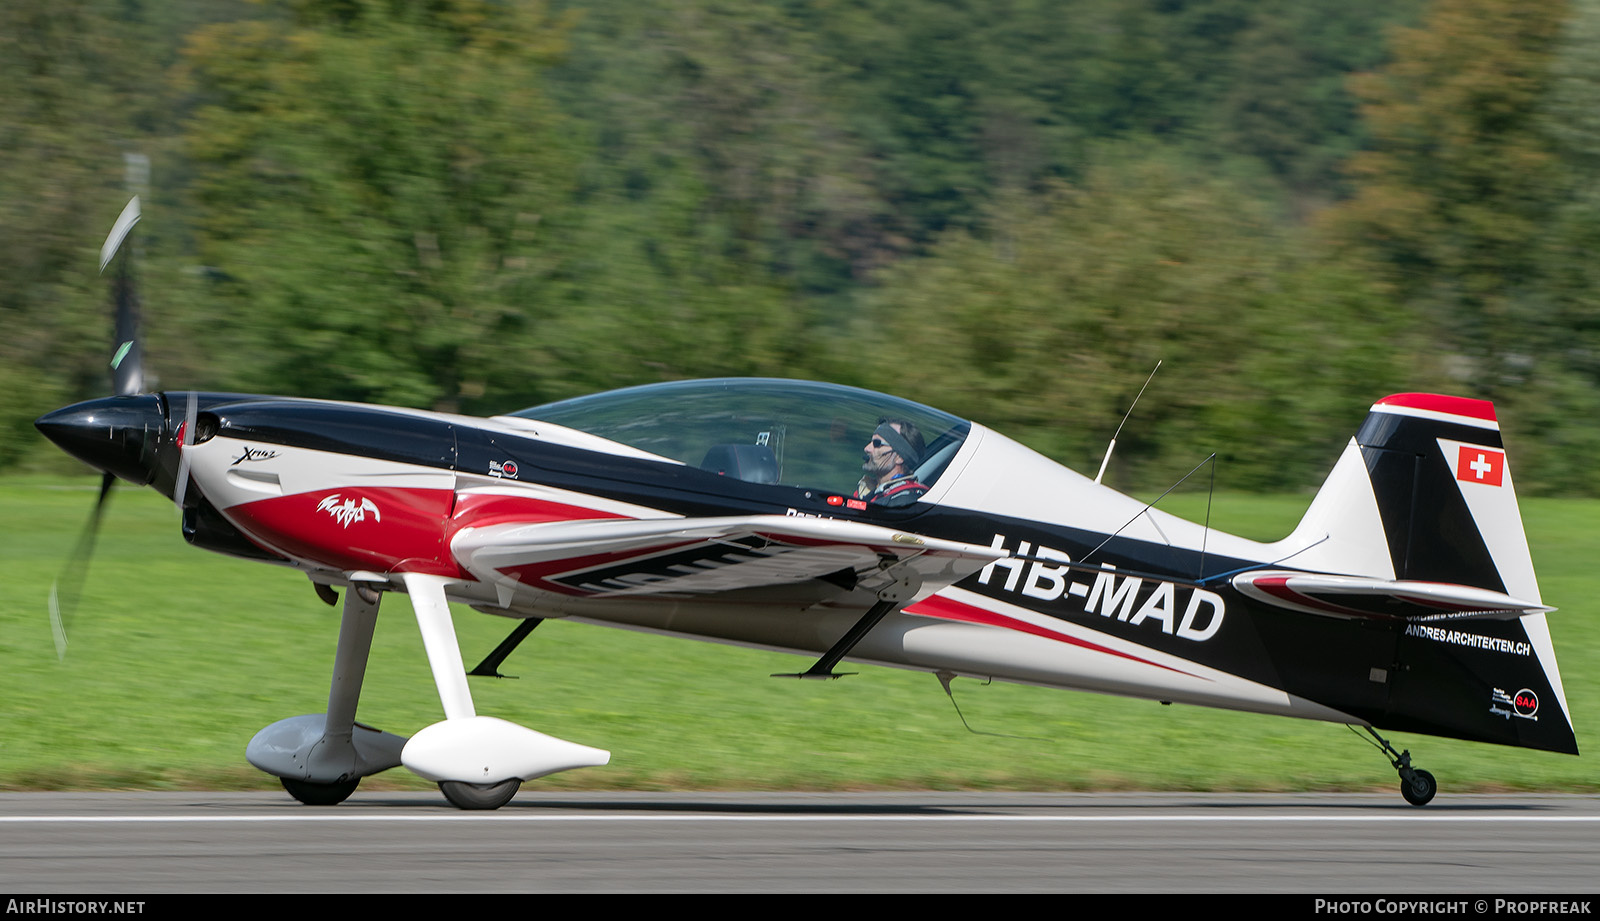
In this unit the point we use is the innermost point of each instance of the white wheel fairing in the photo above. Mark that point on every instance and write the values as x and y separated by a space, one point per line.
297 748
486 750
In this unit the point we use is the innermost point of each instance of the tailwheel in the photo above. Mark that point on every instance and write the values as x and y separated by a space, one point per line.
320 794
1419 788
464 795
1416 785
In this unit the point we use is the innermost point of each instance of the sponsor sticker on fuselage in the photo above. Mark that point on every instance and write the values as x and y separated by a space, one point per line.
1523 705
1470 640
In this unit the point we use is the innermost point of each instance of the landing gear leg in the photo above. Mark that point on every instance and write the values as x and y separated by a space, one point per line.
322 757
1417 786
444 657
477 761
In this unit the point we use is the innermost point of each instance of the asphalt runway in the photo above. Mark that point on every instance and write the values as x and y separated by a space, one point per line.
125 844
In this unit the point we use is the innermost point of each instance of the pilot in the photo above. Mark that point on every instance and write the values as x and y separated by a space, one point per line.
889 472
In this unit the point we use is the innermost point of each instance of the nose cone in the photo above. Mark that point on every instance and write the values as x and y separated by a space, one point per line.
120 435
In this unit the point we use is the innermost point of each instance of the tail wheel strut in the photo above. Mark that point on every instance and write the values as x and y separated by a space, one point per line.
1416 785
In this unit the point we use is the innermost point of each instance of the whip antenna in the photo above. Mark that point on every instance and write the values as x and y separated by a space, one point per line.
1113 446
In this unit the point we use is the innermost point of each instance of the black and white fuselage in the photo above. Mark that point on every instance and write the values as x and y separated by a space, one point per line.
723 510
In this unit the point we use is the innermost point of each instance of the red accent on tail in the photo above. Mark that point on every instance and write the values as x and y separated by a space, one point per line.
1439 403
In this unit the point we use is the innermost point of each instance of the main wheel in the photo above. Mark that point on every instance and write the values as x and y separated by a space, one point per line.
320 794
1419 789
464 795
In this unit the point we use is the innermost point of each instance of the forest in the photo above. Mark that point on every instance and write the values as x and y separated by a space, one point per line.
1008 209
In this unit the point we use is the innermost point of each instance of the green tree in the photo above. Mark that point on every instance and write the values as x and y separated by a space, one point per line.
1285 100
399 213
1460 174
1561 398
1046 326
373 181
720 111
65 122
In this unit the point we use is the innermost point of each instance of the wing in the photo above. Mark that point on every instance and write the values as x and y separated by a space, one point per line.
688 557
1360 597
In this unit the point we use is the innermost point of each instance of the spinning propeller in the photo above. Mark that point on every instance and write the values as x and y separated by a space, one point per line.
125 435
127 362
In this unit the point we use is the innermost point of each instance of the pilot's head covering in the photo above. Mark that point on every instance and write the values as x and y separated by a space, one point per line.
886 430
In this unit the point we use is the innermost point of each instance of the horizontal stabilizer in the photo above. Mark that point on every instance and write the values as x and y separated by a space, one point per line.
1384 599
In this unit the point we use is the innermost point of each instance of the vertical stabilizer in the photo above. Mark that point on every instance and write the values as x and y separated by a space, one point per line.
1444 489
1424 494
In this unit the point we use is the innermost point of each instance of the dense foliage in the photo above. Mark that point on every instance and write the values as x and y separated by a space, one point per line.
1008 209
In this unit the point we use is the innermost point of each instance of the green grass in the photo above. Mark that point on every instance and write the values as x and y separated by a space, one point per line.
179 656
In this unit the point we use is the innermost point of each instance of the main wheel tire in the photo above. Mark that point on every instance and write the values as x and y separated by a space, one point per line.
320 794
464 795
1419 789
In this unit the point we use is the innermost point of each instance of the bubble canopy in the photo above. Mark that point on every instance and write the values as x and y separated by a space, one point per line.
761 430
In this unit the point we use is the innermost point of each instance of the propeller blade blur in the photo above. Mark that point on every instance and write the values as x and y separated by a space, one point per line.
127 361
119 231
68 586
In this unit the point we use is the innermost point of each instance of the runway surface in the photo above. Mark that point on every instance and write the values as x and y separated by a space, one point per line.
126 844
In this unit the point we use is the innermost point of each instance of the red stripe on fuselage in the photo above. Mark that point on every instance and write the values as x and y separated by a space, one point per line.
944 608
409 530
381 529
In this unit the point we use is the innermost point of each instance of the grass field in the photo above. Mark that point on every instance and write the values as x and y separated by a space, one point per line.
178 657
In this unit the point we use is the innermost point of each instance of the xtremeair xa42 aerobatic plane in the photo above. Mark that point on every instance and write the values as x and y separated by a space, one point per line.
729 510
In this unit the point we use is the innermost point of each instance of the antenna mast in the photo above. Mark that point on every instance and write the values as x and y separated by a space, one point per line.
1113 446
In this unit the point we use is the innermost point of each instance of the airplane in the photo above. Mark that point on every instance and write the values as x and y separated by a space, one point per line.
728 510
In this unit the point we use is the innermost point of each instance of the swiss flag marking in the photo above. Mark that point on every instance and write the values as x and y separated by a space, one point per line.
1480 465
